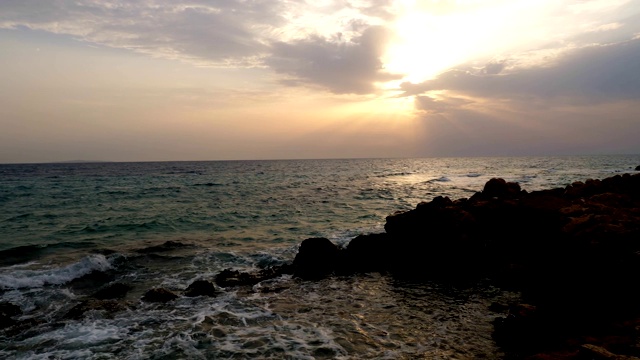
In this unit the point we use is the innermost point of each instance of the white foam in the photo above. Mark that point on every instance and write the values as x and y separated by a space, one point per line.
16 279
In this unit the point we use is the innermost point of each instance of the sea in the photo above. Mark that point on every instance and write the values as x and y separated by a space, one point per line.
70 229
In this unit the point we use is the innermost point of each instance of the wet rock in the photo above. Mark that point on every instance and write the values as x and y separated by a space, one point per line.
228 277
316 258
6 321
112 291
159 295
367 253
109 306
91 280
638 168
166 246
9 309
200 288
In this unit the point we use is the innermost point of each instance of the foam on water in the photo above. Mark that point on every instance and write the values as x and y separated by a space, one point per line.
11 278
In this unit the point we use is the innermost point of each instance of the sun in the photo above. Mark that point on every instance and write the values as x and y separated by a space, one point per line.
429 40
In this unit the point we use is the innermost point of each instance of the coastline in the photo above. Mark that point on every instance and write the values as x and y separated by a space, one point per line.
572 252
501 235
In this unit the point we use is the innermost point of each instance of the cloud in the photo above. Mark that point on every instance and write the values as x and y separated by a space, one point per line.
596 73
209 32
339 66
440 105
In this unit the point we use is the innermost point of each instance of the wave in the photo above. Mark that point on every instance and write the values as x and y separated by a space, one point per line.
440 179
19 279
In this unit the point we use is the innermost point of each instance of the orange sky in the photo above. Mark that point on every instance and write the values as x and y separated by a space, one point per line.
208 80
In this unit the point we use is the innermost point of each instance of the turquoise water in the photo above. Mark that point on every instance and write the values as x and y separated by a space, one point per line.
59 222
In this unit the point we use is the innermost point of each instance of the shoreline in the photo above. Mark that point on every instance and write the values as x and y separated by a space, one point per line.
572 252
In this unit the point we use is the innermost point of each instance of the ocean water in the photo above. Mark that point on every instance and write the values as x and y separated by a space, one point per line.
66 230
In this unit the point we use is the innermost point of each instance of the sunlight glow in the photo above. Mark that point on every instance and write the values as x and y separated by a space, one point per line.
431 39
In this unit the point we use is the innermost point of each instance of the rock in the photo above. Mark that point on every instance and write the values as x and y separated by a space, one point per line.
594 352
91 280
9 309
112 291
638 168
367 253
316 259
499 188
109 306
200 288
228 277
160 295
6 321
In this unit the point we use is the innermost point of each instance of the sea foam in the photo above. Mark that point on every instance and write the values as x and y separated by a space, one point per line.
16 279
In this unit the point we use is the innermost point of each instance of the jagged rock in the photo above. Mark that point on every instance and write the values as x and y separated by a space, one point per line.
316 258
159 295
200 288
112 291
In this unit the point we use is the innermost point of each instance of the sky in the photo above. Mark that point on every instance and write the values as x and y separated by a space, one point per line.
164 80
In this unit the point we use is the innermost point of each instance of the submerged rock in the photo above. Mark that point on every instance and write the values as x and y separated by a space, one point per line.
228 277
109 306
112 291
200 288
160 295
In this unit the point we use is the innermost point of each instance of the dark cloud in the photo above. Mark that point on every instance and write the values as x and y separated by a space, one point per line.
341 67
594 73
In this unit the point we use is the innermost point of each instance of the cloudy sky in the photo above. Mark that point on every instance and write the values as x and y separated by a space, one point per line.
278 79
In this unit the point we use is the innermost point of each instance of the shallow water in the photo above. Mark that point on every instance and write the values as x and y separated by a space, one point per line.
66 230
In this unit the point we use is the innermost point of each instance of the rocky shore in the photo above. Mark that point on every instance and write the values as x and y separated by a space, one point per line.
573 253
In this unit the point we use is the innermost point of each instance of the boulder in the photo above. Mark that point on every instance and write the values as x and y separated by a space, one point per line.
159 295
200 288
316 258
367 253
638 168
499 188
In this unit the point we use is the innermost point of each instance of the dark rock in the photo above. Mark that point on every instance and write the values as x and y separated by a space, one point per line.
109 306
367 253
316 258
91 280
638 168
228 277
200 288
112 291
499 188
6 321
9 309
166 246
160 295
